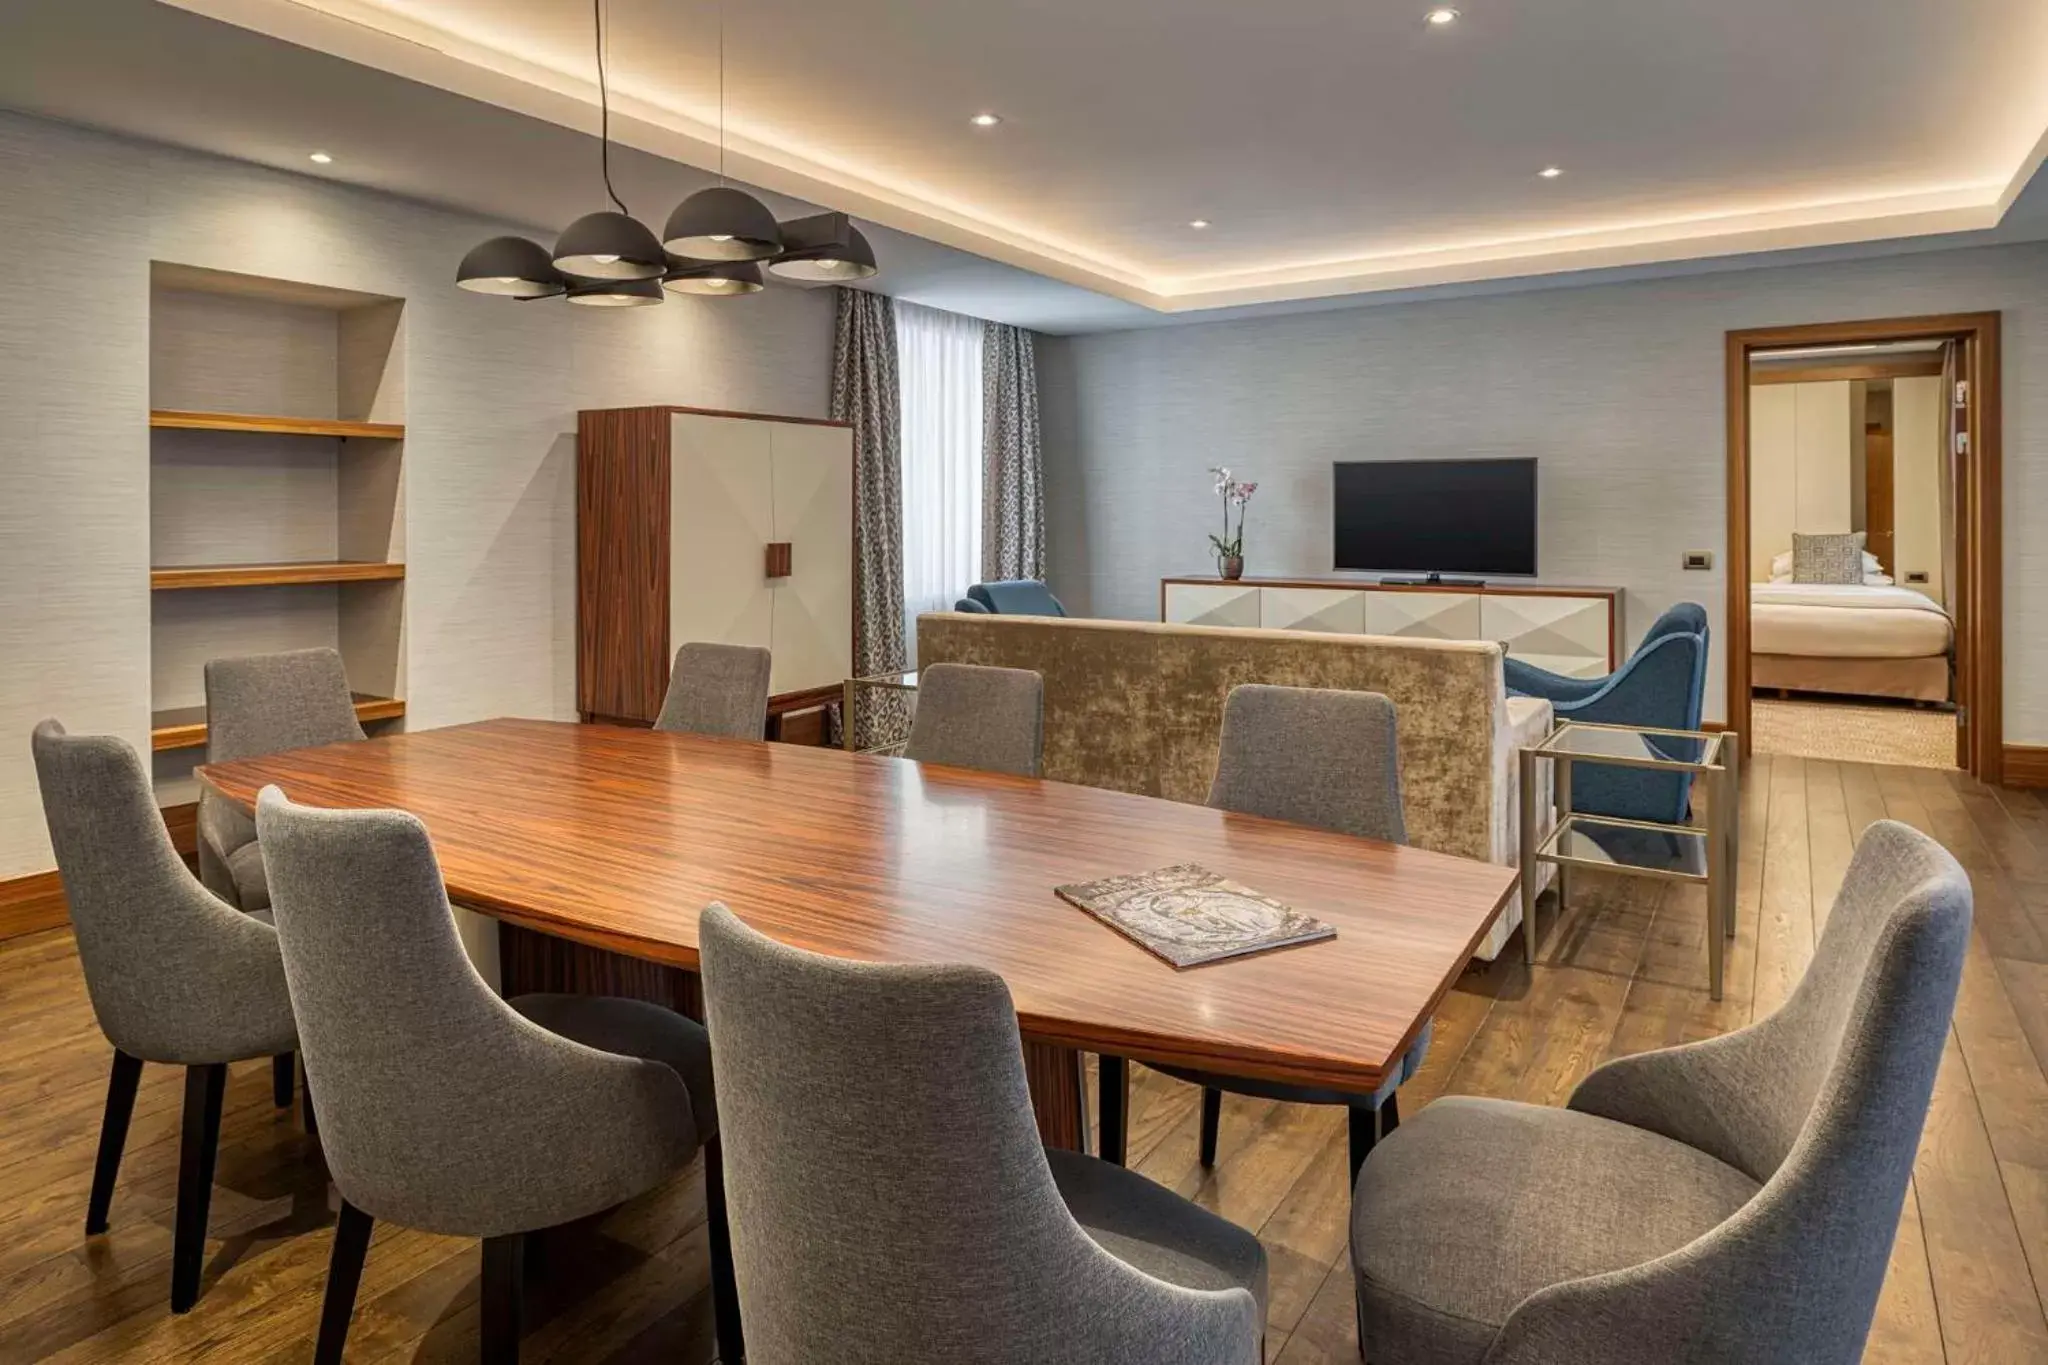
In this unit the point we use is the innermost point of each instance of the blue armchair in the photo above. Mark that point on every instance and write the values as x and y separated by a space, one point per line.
1017 597
971 607
1663 684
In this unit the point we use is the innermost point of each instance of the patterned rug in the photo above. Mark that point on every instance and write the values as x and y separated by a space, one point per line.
1855 734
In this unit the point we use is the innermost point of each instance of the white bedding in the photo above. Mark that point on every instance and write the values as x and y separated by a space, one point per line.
1846 621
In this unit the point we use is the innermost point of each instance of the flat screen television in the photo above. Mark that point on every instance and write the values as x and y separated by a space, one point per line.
1436 517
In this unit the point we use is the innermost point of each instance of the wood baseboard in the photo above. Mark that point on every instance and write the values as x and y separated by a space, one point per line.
31 904
2026 765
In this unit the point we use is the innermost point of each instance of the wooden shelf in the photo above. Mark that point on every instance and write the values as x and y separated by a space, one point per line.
184 727
270 575
169 419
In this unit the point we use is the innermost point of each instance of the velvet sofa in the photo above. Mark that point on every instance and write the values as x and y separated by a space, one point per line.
1138 707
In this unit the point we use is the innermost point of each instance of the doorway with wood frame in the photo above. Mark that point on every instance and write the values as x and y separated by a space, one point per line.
1863 541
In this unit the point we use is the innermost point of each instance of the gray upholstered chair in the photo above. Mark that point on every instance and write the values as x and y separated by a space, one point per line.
891 1202
175 976
1310 756
1733 1199
969 716
443 1107
717 690
263 704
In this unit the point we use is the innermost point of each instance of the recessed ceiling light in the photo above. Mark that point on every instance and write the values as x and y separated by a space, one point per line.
1441 15
320 158
1551 172
1198 223
986 120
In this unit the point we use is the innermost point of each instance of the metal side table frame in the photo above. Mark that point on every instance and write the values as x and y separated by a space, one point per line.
901 683
1705 853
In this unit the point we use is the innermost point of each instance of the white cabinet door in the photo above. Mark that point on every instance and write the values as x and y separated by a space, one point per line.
813 511
1565 635
1338 611
1212 604
722 511
1423 615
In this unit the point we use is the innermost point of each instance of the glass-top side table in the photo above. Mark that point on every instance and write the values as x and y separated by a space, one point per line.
875 715
1692 852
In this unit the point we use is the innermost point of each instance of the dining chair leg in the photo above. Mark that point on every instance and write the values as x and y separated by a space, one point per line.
281 1077
312 1121
205 1086
1212 1119
1113 1091
1365 1131
344 1274
122 1081
725 1287
502 1299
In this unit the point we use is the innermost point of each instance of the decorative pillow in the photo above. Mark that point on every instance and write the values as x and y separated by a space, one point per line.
1781 566
1827 559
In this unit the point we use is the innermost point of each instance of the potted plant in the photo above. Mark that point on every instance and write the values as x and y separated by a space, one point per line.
1229 546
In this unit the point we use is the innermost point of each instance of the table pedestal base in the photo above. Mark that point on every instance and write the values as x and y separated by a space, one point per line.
530 961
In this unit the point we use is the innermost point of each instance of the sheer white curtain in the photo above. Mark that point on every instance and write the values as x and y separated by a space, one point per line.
938 363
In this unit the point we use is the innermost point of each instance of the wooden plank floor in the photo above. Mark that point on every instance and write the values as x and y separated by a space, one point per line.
1624 971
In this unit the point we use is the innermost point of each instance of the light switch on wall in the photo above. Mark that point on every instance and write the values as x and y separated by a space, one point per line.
1699 559
1916 575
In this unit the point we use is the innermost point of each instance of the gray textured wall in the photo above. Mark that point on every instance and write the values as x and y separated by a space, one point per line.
1617 389
492 389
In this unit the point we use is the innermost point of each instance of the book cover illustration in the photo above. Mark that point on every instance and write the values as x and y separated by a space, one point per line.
1190 916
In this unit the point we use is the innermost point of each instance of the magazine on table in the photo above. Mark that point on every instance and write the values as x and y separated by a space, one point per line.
1191 916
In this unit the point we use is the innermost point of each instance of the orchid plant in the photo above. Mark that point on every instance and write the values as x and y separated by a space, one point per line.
1230 545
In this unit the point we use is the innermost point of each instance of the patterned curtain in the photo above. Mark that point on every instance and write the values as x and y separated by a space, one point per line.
865 393
1013 467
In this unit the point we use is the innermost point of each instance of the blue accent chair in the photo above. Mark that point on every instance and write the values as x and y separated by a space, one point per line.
1662 684
1017 597
971 607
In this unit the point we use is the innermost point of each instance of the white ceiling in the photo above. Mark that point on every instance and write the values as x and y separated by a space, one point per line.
1338 149
1336 146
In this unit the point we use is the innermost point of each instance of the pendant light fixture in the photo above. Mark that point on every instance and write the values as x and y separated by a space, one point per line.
720 279
512 267
608 245
715 244
615 293
826 249
722 223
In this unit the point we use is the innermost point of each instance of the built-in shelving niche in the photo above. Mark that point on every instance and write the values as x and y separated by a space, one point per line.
277 478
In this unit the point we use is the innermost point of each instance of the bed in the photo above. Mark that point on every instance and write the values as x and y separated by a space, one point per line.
1859 639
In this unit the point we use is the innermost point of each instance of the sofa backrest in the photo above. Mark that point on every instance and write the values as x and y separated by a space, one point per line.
1136 706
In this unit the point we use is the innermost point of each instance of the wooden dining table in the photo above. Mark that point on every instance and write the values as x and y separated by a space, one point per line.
597 846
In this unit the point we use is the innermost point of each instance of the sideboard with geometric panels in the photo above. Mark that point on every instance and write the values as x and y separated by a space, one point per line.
1576 631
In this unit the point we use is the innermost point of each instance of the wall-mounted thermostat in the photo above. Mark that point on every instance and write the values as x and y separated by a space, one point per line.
1699 559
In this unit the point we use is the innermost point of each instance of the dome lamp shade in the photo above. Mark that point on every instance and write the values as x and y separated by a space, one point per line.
510 267
615 293
609 246
722 224
721 279
850 258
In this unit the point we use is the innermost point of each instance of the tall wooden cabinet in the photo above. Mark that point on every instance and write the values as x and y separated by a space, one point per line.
710 526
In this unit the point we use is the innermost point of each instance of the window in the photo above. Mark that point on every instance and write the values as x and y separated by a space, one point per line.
938 358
